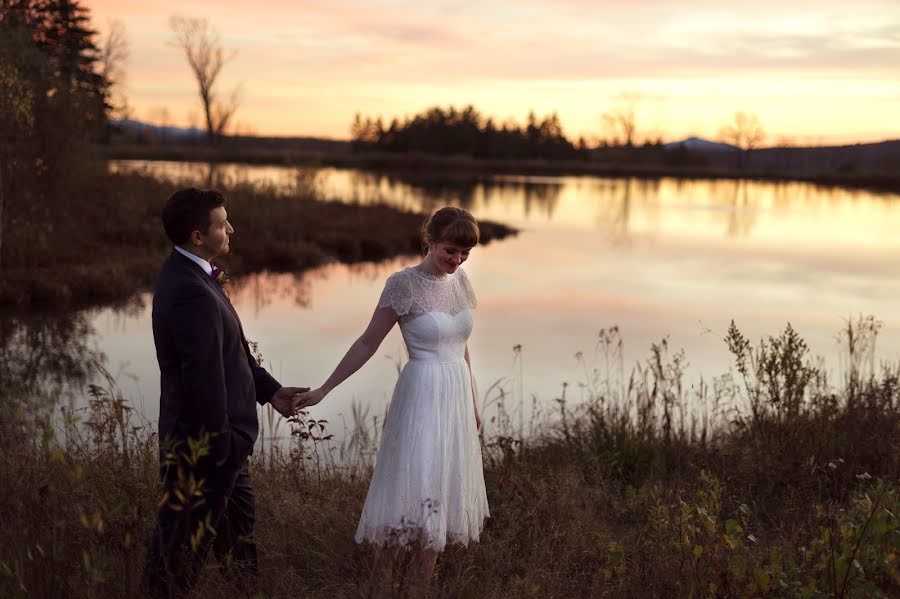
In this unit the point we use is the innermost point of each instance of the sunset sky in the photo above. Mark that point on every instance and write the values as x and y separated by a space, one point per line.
814 71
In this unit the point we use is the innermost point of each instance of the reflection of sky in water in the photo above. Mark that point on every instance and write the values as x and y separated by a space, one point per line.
660 258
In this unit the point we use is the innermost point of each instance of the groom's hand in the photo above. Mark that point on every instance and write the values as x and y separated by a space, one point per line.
309 398
283 400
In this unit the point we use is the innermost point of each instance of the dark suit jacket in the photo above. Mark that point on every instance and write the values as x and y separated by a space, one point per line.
209 379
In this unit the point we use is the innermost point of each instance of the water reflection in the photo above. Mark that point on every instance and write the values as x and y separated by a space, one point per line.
259 291
658 257
47 356
614 216
624 209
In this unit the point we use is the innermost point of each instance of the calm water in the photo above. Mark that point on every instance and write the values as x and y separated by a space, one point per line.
659 259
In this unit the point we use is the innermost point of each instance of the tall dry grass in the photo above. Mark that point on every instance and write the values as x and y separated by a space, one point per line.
770 480
97 237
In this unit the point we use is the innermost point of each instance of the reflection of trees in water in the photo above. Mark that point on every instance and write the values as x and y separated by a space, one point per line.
729 204
540 198
279 180
617 206
214 175
743 214
367 187
46 355
732 206
427 191
809 198
618 218
257 291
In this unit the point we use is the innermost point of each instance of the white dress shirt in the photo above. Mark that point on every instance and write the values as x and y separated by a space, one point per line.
206 266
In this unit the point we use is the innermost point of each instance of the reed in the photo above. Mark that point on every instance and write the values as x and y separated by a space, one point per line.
98 237
773 479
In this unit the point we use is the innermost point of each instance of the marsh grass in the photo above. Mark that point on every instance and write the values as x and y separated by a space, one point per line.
97 237
771 480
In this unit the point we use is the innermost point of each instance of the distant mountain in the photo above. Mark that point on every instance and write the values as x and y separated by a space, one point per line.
856 159
130 130
881 157
696 144
167 132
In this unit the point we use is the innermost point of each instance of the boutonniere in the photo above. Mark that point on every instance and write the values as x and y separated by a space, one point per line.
220 276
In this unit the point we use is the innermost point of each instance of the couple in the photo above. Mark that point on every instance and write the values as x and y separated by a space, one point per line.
428 485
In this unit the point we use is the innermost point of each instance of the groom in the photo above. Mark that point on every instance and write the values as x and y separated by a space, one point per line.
210 385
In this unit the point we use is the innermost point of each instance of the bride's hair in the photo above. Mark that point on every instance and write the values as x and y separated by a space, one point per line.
451 225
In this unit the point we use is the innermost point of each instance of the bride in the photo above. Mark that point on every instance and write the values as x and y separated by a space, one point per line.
428 485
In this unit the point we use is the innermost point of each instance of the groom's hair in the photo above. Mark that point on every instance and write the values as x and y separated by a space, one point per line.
187 210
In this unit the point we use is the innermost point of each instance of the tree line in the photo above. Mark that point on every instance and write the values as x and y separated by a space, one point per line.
54 99
54 94
465 131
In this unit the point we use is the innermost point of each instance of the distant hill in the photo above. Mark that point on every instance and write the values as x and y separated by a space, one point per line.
167 132
856 159
880 160
134 131
696 144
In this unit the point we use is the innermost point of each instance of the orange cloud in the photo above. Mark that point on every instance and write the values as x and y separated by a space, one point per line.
822 70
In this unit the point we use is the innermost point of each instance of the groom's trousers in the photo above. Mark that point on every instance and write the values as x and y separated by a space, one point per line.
220 514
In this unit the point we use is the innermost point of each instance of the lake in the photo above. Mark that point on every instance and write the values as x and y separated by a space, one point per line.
660 259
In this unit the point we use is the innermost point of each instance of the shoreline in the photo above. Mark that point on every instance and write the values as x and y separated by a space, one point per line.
114 250
388 162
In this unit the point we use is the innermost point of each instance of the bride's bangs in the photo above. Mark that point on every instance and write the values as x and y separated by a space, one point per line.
462 232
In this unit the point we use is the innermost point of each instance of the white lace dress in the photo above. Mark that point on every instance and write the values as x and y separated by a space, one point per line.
428 484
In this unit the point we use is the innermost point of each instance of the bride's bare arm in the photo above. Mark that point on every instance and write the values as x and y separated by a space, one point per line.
383 320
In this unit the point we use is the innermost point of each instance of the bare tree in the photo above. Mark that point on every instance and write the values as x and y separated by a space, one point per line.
114 53
745 132
162 118
206 58
244 129
623 117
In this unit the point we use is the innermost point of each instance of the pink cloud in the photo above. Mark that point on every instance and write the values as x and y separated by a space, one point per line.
334 55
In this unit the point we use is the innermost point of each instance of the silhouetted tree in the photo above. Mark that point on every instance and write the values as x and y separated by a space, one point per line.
68 91
16 106
745 132
206 57
357 132
623 117
52 99
112 57
464 132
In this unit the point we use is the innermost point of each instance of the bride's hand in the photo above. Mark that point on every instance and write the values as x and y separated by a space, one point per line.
283 400
308 399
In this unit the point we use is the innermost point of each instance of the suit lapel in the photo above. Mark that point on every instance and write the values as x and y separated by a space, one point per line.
196 270
221 292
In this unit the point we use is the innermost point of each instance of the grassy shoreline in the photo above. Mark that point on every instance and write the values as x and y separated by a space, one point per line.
794 493
887 181
107 243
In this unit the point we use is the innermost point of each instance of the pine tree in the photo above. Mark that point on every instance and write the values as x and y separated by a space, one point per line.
52 104
69 95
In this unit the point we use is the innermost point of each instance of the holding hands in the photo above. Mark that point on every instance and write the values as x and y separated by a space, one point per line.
283 400
309 398
290 400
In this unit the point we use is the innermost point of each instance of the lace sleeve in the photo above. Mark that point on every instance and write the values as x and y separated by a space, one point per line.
467 289
397 294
